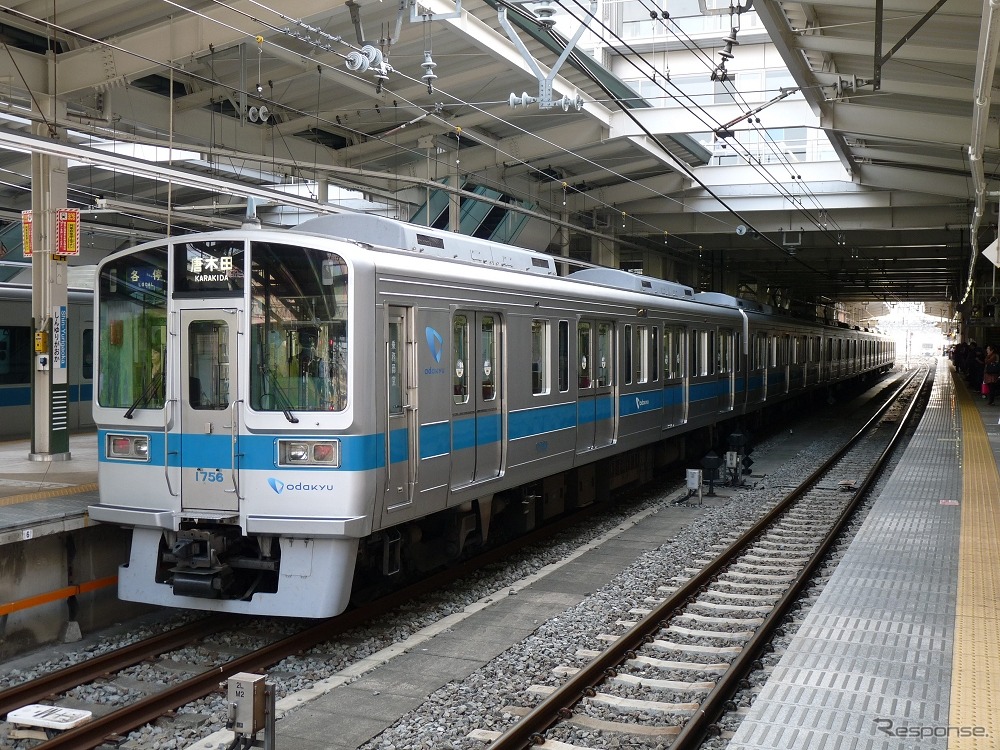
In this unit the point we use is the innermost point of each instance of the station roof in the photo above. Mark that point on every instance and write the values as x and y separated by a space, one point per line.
902 88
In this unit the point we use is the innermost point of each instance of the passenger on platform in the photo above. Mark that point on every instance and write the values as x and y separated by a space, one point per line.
991 371
958 356
976 362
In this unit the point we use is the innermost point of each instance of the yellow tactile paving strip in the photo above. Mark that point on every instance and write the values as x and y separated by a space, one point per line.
25 497
975 687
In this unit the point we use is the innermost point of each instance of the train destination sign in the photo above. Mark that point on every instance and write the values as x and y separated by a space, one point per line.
205 267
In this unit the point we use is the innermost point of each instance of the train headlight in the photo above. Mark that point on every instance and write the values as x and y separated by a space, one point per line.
309 453
298 452
128 447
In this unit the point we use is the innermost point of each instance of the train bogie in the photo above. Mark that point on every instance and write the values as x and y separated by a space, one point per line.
293 412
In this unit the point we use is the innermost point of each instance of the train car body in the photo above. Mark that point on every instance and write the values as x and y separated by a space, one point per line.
17 359
279 412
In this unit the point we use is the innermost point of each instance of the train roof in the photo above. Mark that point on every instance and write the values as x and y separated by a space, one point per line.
727 300
633 282
437 243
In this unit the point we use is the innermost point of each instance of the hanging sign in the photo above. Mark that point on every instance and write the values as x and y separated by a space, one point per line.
68 231
26 233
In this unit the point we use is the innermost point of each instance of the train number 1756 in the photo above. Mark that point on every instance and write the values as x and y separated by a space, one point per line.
200 475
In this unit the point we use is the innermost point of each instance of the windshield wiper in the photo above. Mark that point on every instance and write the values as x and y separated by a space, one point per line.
285 403
144 396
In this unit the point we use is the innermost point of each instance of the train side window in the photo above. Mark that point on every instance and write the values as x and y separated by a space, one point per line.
87 362
459 358
539 357
563 356
627 353
605 360
15 354
487 349
724 352
654 355
642 355
583 355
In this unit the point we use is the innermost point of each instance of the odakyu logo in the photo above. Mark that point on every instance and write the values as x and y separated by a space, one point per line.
436 344
278 486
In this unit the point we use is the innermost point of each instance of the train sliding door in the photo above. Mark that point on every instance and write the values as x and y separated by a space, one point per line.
209 409
400 434
595 382
477 405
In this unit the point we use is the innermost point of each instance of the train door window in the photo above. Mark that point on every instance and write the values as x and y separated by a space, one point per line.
487 351
605 361
627 353
539 357
712 352
696 353
563 356
583 341
672 353
642 354
393 365
208 365
724 353
460 359
654 354
87 363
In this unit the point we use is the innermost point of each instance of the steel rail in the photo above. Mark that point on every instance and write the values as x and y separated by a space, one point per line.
528 731
79 674
699 725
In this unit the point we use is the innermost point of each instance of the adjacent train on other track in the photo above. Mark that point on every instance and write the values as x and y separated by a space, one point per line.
17 358
285 415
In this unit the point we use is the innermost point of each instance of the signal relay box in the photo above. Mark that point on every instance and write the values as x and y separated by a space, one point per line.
246 703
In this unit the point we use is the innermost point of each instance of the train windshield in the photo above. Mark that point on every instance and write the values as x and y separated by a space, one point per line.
133 331
298 341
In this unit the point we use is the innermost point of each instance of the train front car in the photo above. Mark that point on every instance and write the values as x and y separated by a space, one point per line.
226 414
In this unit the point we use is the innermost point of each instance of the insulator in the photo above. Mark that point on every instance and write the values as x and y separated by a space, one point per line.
356 61
374 54
428 77
521 101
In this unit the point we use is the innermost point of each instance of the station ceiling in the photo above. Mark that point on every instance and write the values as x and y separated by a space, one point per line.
903 88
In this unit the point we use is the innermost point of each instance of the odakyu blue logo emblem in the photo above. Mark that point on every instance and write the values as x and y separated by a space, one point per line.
276 484
435 342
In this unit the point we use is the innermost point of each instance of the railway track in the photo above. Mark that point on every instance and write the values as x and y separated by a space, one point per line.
666 678
183 690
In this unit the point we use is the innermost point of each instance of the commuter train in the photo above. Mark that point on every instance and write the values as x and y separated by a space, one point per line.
285 415
17 359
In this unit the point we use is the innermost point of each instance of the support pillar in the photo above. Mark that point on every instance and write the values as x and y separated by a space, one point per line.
49 310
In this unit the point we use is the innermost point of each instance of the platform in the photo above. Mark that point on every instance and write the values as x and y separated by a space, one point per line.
46 497
902 648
